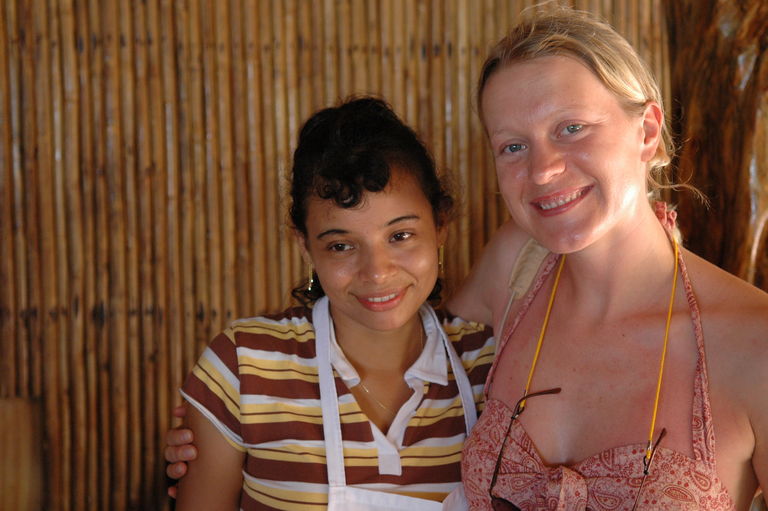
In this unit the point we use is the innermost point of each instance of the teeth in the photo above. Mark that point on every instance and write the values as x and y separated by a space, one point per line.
564 199
382 298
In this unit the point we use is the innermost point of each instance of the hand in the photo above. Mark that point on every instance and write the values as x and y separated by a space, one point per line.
178 450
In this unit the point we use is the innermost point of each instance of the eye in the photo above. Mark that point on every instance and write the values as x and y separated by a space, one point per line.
401 236
572 128
339 247
513 148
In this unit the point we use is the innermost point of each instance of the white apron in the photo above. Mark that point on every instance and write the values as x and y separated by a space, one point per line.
342 497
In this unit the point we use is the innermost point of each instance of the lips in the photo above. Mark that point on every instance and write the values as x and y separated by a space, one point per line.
560 202
381 302
379 299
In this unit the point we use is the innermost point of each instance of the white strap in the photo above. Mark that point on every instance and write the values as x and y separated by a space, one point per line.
329 401
462 381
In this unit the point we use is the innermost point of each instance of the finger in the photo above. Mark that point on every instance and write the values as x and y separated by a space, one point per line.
180 411
172 491
178 436
176 470
182 453
171 454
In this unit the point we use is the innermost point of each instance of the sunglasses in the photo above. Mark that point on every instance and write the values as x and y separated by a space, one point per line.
502 504
498 503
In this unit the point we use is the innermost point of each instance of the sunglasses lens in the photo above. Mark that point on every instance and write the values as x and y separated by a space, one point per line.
499 504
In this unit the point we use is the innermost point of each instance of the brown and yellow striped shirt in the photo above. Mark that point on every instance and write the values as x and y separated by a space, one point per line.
258 384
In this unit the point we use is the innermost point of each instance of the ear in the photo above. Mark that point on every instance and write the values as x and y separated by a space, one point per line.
442 234
653 121
301 242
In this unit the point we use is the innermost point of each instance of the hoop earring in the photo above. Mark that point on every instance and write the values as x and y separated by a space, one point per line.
310 277
440 258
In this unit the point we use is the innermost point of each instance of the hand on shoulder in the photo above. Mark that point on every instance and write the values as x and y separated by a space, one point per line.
483 295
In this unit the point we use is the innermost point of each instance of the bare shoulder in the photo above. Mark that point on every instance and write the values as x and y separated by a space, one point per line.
734 317
486 287
728 302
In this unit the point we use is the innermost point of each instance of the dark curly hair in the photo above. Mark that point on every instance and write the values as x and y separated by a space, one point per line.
348 150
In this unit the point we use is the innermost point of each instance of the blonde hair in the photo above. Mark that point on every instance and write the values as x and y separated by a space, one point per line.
567 32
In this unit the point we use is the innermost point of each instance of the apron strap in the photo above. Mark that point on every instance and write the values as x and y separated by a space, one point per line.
329 401
459 373
334 448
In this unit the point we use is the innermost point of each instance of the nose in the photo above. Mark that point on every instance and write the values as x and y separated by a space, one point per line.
545 163
377 264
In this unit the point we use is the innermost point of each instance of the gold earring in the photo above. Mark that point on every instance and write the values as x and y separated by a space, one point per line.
310 277
440 257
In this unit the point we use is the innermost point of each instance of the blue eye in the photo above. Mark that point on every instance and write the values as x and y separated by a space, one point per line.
513 148
573 128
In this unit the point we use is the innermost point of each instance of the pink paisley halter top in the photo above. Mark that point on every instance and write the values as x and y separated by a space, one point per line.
608 480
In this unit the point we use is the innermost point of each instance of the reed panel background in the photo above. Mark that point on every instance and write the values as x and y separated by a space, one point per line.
144 147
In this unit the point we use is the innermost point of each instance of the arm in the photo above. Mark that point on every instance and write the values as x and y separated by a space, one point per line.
758 413
483 295
214 480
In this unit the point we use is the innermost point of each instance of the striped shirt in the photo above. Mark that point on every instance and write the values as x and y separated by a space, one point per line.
258 384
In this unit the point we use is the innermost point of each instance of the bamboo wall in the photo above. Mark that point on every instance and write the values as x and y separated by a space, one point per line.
143 153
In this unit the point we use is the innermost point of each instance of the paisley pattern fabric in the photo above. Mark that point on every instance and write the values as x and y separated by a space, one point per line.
608 480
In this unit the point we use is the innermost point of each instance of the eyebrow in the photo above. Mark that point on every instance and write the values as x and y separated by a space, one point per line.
391 222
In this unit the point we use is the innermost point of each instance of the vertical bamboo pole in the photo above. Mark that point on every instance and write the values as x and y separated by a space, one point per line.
187 295
163 133
144 368
212 183
114 391
345 78
375 50
437 72
226 243
358 47
282 111
73 274
397 48
256 160
45 230
330 49
85 384
10 356
126 118
420 58
271 219
290 256
307 72
100 313
194 204
243 265
28 255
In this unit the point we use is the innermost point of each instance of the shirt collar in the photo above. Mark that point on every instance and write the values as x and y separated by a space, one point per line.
431 366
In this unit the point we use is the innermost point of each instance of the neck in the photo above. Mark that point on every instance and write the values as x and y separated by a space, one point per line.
372 351
623 272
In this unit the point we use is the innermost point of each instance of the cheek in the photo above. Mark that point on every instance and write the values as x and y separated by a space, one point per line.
333 276
423 263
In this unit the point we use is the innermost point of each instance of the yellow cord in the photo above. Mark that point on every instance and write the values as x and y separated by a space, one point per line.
649 449
543 330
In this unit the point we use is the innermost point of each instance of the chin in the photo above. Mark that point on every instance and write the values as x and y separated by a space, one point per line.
569 242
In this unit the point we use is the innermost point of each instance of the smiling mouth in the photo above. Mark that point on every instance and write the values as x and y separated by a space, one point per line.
381 299
561 200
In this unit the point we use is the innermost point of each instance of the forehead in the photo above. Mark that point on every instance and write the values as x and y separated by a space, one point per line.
541 84
402 196
555 73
